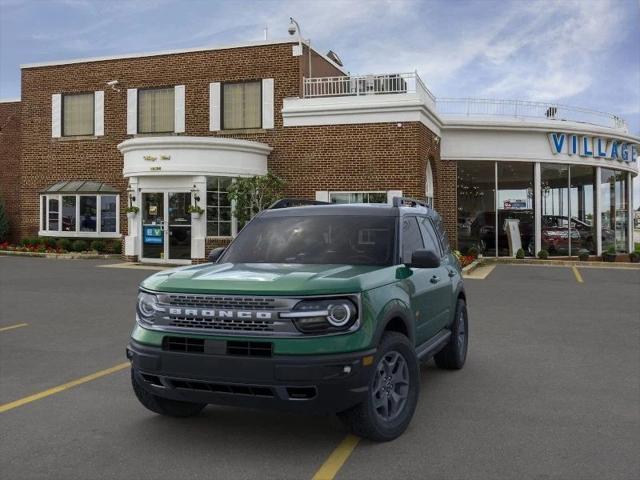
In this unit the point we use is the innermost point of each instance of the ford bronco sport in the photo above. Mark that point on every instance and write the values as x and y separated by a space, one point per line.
319 308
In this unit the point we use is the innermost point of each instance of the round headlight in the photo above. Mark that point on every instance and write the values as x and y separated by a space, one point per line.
339 314
146 304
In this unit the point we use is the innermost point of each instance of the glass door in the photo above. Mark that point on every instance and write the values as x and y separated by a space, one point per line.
153 226
179 226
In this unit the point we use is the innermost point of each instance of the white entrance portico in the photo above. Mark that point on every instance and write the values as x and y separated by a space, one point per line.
167 174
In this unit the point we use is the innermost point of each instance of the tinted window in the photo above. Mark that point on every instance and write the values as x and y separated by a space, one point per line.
411 238
430 239
442 234
346 240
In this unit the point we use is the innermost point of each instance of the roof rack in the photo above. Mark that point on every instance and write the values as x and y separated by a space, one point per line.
408 202
295 202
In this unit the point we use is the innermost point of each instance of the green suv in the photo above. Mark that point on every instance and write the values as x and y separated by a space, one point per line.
320 308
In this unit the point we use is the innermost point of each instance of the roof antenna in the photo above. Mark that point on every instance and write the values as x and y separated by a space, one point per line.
266 33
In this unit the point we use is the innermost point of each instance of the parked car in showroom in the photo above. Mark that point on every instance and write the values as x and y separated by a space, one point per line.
321 308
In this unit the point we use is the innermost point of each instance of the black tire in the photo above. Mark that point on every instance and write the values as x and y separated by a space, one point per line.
453 356
164 406
365 419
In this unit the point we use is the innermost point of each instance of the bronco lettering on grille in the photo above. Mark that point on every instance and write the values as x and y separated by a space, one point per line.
209 313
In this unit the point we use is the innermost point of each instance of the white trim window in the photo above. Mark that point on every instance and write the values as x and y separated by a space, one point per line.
358 197
220 219
80 215
242 105
428 188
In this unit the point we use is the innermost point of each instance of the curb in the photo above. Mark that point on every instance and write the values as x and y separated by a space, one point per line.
62 256
562 263
473 265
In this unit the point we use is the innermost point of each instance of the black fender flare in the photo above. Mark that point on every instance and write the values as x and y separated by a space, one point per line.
395 309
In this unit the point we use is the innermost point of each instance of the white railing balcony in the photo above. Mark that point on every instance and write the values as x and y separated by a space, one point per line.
357 85
526 109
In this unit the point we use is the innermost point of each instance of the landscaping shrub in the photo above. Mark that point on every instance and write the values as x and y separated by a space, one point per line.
64 244
98 246
79 246
48 242
583 254
473 252
115 246
543 254
520 253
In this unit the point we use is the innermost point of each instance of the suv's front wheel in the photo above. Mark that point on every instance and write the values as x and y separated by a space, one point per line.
393 392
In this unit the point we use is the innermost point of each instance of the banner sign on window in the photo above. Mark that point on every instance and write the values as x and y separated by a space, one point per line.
152 235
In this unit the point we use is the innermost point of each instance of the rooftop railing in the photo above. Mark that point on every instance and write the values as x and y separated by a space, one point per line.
399 83
526 109
356 85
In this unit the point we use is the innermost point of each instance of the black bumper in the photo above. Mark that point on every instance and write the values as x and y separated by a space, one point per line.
310 384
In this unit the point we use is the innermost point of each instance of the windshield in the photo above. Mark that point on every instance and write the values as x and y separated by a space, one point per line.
347 240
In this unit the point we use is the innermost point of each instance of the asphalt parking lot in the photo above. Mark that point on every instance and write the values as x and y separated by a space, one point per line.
551 389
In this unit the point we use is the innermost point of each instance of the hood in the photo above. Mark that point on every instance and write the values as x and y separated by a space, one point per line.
270 279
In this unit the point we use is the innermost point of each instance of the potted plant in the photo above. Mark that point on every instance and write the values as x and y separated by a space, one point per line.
583 254
610 255
195 211
132 211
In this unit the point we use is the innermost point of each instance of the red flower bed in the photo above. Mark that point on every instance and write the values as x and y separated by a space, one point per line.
466 260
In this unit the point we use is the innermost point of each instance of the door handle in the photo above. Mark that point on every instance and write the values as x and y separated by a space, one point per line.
452 273
435 279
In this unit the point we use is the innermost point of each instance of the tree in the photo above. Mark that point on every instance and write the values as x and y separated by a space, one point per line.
4 222
253 194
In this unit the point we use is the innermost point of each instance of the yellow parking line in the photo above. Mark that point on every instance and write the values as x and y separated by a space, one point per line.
577 274
60 388
334 463
11 327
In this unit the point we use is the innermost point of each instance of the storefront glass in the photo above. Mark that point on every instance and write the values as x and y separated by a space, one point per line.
554 187
582 208
476 206
516 208
614 210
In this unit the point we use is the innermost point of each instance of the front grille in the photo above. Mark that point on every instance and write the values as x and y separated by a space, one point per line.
183 344
226 324
252 390
250 349
223 302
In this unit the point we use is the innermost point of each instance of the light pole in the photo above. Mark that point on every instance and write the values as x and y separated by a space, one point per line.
294 28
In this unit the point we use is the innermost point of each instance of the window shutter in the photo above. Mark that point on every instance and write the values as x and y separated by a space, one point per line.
214 106
267 103
179 108
56 115
98 112
391 194
132 111
322 196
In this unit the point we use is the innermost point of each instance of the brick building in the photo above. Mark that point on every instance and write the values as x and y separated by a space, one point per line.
163 131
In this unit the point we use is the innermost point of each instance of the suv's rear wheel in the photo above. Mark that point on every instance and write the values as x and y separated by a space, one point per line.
453 356
393 392
164 406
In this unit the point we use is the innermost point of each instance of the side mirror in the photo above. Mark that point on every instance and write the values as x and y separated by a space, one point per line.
424 259
215 254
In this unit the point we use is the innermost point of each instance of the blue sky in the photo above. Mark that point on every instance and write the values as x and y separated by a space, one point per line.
582 52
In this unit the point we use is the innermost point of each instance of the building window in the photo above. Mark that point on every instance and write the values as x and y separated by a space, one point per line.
79 215
156 110
614 210
428 188
242 105
515 203
78 114
358 197
219 219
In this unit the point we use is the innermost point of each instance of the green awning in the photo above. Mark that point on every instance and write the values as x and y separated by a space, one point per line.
80 186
